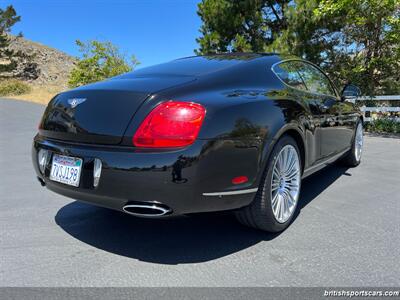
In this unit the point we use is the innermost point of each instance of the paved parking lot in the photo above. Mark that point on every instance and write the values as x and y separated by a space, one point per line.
346 234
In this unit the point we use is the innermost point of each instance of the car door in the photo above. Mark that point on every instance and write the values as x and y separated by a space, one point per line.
332 131
349 117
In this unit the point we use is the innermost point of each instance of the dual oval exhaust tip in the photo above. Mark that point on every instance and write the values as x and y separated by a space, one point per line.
146 210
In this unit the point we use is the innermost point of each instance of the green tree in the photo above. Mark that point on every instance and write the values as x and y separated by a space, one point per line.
243 26
357 40
9 58
14 64
99 61
370 42
308 35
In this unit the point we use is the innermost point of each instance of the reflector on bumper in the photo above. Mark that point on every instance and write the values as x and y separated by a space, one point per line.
96 172
43 159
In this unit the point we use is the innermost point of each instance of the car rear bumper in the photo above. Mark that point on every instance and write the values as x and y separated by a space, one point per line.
193 179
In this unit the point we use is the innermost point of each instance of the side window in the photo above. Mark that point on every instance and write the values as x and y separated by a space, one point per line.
315 80
287 72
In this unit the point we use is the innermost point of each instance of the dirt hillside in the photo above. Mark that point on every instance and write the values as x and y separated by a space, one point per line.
53 68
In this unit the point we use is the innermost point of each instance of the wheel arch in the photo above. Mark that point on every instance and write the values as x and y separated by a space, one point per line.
300 144
295 131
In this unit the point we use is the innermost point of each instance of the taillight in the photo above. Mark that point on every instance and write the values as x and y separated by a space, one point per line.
170 124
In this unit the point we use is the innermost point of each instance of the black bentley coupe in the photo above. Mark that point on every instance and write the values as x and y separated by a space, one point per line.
233 132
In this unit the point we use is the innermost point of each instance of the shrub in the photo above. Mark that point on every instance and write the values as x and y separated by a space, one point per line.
383 125
100 60
13 87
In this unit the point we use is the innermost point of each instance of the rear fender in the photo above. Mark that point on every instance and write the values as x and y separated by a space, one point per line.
294 129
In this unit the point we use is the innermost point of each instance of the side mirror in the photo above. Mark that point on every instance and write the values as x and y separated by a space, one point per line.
350 93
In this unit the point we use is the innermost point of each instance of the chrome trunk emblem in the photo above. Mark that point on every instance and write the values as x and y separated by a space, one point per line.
75 101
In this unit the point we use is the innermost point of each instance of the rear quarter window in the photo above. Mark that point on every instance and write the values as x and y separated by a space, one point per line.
288 73
315 80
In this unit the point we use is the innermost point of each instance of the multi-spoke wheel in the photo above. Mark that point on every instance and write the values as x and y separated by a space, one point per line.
275 203
285 183
353 157
358 142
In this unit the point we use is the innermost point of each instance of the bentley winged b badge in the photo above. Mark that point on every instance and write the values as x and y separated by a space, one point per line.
74 102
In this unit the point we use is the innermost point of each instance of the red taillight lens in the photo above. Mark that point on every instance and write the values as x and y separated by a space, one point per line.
170 124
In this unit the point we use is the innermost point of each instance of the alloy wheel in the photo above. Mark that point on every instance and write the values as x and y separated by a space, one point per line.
285 183
358 142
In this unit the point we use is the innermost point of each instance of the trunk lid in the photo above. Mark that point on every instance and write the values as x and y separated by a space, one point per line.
100 113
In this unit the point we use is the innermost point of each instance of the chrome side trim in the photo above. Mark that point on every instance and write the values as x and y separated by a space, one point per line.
311 170
248 191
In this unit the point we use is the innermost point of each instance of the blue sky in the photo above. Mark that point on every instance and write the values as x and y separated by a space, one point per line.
154 30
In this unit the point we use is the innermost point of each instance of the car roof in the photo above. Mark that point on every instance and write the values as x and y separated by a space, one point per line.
234 55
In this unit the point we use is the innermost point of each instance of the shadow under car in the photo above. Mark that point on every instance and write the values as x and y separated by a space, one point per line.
178 240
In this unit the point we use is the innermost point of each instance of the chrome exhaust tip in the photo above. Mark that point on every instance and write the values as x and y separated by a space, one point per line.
146 210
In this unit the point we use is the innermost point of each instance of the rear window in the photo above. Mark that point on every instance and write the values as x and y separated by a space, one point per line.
191 66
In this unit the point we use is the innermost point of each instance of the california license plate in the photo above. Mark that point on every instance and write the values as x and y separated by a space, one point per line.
66 169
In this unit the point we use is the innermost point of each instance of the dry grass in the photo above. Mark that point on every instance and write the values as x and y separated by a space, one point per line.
10 87
39 94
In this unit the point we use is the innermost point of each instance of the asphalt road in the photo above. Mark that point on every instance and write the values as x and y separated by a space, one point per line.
346 234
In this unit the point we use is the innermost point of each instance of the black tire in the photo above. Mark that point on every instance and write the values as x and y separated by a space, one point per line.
259 213
350 159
